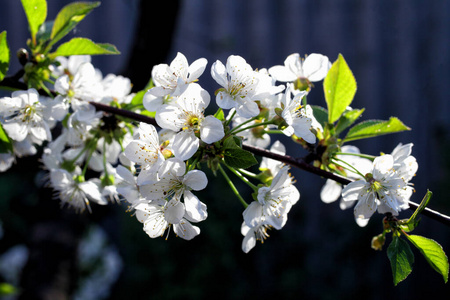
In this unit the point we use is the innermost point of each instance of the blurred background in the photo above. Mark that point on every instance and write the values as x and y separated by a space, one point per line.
399 52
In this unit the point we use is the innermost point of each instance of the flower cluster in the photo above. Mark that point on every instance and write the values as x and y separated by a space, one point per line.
382 185
157 171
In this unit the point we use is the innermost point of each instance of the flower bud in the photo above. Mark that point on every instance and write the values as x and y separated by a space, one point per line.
22 55
378 242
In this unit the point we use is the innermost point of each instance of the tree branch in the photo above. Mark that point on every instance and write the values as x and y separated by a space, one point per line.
12 82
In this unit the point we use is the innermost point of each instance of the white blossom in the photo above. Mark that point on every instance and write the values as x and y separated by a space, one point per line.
239 86
295 116
274 202
171 80
175 183
313 68
76 194
26 114
157 216
253 234
381 190
186 117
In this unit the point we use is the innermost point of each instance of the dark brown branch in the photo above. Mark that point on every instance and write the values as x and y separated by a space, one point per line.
123 113
301 164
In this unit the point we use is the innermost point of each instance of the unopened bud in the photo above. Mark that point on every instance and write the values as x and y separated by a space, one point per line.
378 242
22 55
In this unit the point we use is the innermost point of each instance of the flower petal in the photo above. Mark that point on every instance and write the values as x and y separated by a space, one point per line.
195 209
185 145
211 130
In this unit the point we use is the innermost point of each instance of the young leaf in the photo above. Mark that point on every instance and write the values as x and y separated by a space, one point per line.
401 258
83 46
433 252
5 143
44 32
68 17
321 114
239 158
422 205
36 12
339 88
372 128
4 55
347 119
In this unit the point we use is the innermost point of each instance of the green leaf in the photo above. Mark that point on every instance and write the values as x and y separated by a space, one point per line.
83 46
235 156
44 32
321 114
36 12
339 88
433 252
422 205
410 224
347 119
230 143
68 17
138 97
372 128
4 55
239 158
401 258
5 143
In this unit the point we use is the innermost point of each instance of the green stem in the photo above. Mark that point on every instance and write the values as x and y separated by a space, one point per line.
273 132
370 157
349 166
248 173
104 158
194 163
228 121
234 131
232 186
241 177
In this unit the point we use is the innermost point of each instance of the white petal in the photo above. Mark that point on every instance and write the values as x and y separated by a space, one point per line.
246 108
16 131
174 211
351 191
171 167
219 73
302 129
186 230
141 153
315 67
211 130
92 191
277 216
283 74
331 191
195 209
366 206
170 117
249 241
197 68
253 214
180 65
382 165
224 100
185 145
195 180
